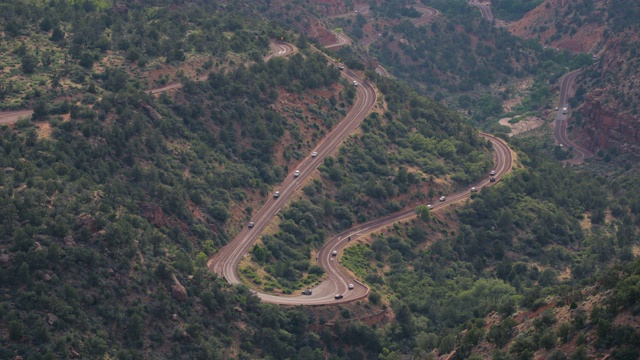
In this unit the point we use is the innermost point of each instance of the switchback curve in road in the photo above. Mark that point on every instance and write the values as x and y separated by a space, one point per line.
341 40
428 13
560 123
278 49
225 262
338 279
485 9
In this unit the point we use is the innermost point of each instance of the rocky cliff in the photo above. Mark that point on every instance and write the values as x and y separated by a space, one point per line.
610 111
573 25
610 30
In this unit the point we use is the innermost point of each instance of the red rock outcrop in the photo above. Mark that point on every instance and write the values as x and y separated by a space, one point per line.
607 128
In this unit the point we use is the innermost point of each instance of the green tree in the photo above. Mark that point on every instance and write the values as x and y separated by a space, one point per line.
57 35
423 212
28 64
16 330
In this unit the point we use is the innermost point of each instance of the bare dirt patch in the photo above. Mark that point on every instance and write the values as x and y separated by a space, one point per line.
526 124
44 130
519 90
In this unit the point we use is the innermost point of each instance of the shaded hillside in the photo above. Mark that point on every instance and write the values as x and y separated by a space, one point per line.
607 91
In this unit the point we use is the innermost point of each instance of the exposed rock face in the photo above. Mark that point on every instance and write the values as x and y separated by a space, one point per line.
610 112
607 128
87 221
5 261
154 213
178 291
68 240
561 24
51 319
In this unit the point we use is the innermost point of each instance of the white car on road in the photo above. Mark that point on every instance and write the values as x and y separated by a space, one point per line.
296 173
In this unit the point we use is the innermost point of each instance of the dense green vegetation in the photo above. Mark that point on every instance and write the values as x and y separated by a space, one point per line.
439 55
512 9
54 49
110 198
98 216
514 241
418 150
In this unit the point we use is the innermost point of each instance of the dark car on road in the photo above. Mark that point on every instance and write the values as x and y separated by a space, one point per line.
307 292
339 296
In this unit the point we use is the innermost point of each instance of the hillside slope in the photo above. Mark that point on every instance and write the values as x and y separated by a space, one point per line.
607 91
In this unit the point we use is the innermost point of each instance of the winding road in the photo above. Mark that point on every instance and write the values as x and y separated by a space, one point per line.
560 124
280 49
225 262
341 40
485 9
427 14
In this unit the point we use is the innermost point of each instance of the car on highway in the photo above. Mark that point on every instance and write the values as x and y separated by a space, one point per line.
564 110
339 296
351 286
307 292
251 225
442 198
493 172
296 173
314 154
474 189
276 194
492 179
334 253
355 83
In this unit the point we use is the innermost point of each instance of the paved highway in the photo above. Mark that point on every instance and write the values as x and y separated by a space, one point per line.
485 9
427 14
362 9
341 40
280 49
382 71
225 262
338 278
560 125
